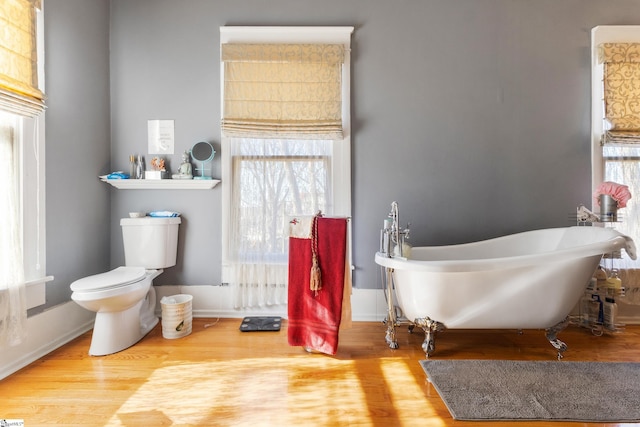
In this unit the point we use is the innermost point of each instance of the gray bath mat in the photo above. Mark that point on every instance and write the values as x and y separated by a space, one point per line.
254 323
546 390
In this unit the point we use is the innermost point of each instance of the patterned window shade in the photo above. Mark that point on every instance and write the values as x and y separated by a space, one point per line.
621 75
19 92
283 90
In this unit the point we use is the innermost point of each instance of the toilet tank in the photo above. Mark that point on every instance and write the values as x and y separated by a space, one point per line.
150 242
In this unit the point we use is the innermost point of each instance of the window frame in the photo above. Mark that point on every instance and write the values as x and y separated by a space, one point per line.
603 34
31 158
341 158
600 160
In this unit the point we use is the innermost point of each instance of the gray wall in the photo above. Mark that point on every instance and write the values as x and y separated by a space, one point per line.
77 142
472 114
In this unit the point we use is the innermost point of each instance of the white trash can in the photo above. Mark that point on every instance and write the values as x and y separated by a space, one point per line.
176 316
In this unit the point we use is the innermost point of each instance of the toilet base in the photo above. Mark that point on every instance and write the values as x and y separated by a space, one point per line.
116 331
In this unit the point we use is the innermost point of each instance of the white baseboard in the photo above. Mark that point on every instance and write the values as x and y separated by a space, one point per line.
46 332
367 305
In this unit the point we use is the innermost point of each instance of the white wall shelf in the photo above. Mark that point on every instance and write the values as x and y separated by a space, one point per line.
162 184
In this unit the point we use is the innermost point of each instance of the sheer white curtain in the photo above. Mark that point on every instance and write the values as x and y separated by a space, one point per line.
273 180
13 306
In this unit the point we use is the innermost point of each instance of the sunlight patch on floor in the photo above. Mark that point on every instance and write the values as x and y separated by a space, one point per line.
404 388
319 390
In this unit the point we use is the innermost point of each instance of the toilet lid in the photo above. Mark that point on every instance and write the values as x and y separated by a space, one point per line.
118 277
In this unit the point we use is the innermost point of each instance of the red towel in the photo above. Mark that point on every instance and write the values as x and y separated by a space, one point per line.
314 320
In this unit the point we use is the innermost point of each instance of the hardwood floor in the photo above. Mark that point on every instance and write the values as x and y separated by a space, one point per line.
219 376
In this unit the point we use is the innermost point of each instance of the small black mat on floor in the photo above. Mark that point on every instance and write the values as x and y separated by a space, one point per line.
253 324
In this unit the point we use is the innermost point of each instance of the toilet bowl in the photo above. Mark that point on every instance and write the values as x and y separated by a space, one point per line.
124 302
124 299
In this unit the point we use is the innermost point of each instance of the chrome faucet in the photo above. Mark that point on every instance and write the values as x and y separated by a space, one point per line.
392 236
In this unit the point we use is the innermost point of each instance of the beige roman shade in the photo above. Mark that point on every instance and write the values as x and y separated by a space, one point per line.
19 92
283 90
621 83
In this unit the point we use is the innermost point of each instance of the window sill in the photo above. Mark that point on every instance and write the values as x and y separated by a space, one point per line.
158 184
36 293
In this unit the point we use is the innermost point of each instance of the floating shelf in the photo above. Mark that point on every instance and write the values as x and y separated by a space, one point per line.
162 184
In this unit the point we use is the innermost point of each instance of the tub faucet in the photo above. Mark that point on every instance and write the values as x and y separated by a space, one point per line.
393 236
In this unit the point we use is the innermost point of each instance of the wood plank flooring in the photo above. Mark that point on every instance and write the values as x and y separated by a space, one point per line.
219 376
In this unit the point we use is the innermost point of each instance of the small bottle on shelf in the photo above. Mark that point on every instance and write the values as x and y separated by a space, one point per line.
132 167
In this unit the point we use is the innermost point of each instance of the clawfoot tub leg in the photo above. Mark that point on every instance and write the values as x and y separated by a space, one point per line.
390 336
394 314
551 334
430 327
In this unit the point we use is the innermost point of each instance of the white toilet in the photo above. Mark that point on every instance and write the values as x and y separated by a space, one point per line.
124 299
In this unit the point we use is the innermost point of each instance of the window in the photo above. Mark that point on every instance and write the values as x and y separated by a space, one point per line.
616 122
272 179
273 169
22 246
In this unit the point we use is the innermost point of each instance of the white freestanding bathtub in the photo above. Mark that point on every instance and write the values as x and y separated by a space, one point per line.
529 280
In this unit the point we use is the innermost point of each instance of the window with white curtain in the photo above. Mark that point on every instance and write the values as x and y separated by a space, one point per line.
615 136
619 64
285 147
22 243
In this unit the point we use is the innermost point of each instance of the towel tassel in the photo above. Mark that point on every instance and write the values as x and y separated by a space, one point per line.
316 279
315 283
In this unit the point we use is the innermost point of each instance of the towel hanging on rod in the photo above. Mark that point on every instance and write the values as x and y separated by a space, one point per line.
315 314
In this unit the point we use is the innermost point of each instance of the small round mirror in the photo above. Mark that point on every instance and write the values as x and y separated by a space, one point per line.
203 153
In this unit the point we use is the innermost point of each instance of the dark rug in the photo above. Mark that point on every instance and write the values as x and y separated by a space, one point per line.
257 324
547 390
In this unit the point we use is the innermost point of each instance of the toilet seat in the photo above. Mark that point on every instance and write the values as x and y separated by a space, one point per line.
118 277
